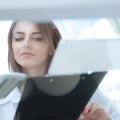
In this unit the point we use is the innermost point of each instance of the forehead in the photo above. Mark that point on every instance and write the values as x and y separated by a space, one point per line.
26 26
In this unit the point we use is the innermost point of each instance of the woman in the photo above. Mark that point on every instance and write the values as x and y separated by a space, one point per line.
31 47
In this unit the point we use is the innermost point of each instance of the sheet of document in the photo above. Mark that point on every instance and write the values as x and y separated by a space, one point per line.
83 56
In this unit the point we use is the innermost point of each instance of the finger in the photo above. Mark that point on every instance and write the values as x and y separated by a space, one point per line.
81 117
88 107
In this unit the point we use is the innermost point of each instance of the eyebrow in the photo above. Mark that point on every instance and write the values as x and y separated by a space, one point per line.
18 33
24 33
36 33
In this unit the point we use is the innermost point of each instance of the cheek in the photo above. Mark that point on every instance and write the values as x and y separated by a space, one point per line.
43 47
43 52
16 51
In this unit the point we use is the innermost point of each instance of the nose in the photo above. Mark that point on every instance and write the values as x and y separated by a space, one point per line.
27 43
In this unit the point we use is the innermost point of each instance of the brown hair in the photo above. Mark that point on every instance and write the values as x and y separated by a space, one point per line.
48 29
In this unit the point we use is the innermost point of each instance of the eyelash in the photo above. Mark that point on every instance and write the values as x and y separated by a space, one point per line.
20 39
38 39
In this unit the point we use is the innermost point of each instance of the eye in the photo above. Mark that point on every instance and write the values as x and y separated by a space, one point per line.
38 39
19 39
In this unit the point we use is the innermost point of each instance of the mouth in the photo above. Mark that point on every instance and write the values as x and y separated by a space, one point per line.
27 54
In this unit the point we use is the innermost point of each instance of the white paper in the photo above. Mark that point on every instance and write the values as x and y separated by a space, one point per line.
83 56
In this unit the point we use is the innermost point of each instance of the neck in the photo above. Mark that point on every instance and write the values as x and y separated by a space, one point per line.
35 72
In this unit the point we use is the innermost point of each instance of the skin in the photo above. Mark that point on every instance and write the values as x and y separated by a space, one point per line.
93 111
28 46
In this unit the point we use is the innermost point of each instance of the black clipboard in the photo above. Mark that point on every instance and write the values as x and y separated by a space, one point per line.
38 104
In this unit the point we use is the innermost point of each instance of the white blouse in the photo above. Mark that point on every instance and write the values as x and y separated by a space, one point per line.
107 104
8 105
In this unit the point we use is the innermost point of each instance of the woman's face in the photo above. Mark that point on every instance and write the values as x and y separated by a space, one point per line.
31 50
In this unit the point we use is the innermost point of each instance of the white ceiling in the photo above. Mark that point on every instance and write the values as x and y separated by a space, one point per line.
47 9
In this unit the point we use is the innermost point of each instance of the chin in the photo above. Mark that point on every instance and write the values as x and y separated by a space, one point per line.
28 65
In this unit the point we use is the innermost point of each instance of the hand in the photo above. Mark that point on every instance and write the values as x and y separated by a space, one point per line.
93 111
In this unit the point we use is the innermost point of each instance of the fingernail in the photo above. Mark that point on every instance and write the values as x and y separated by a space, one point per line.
89 110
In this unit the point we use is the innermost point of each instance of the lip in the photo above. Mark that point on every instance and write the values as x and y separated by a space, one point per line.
27 54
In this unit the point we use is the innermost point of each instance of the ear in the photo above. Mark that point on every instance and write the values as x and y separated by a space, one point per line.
51 52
